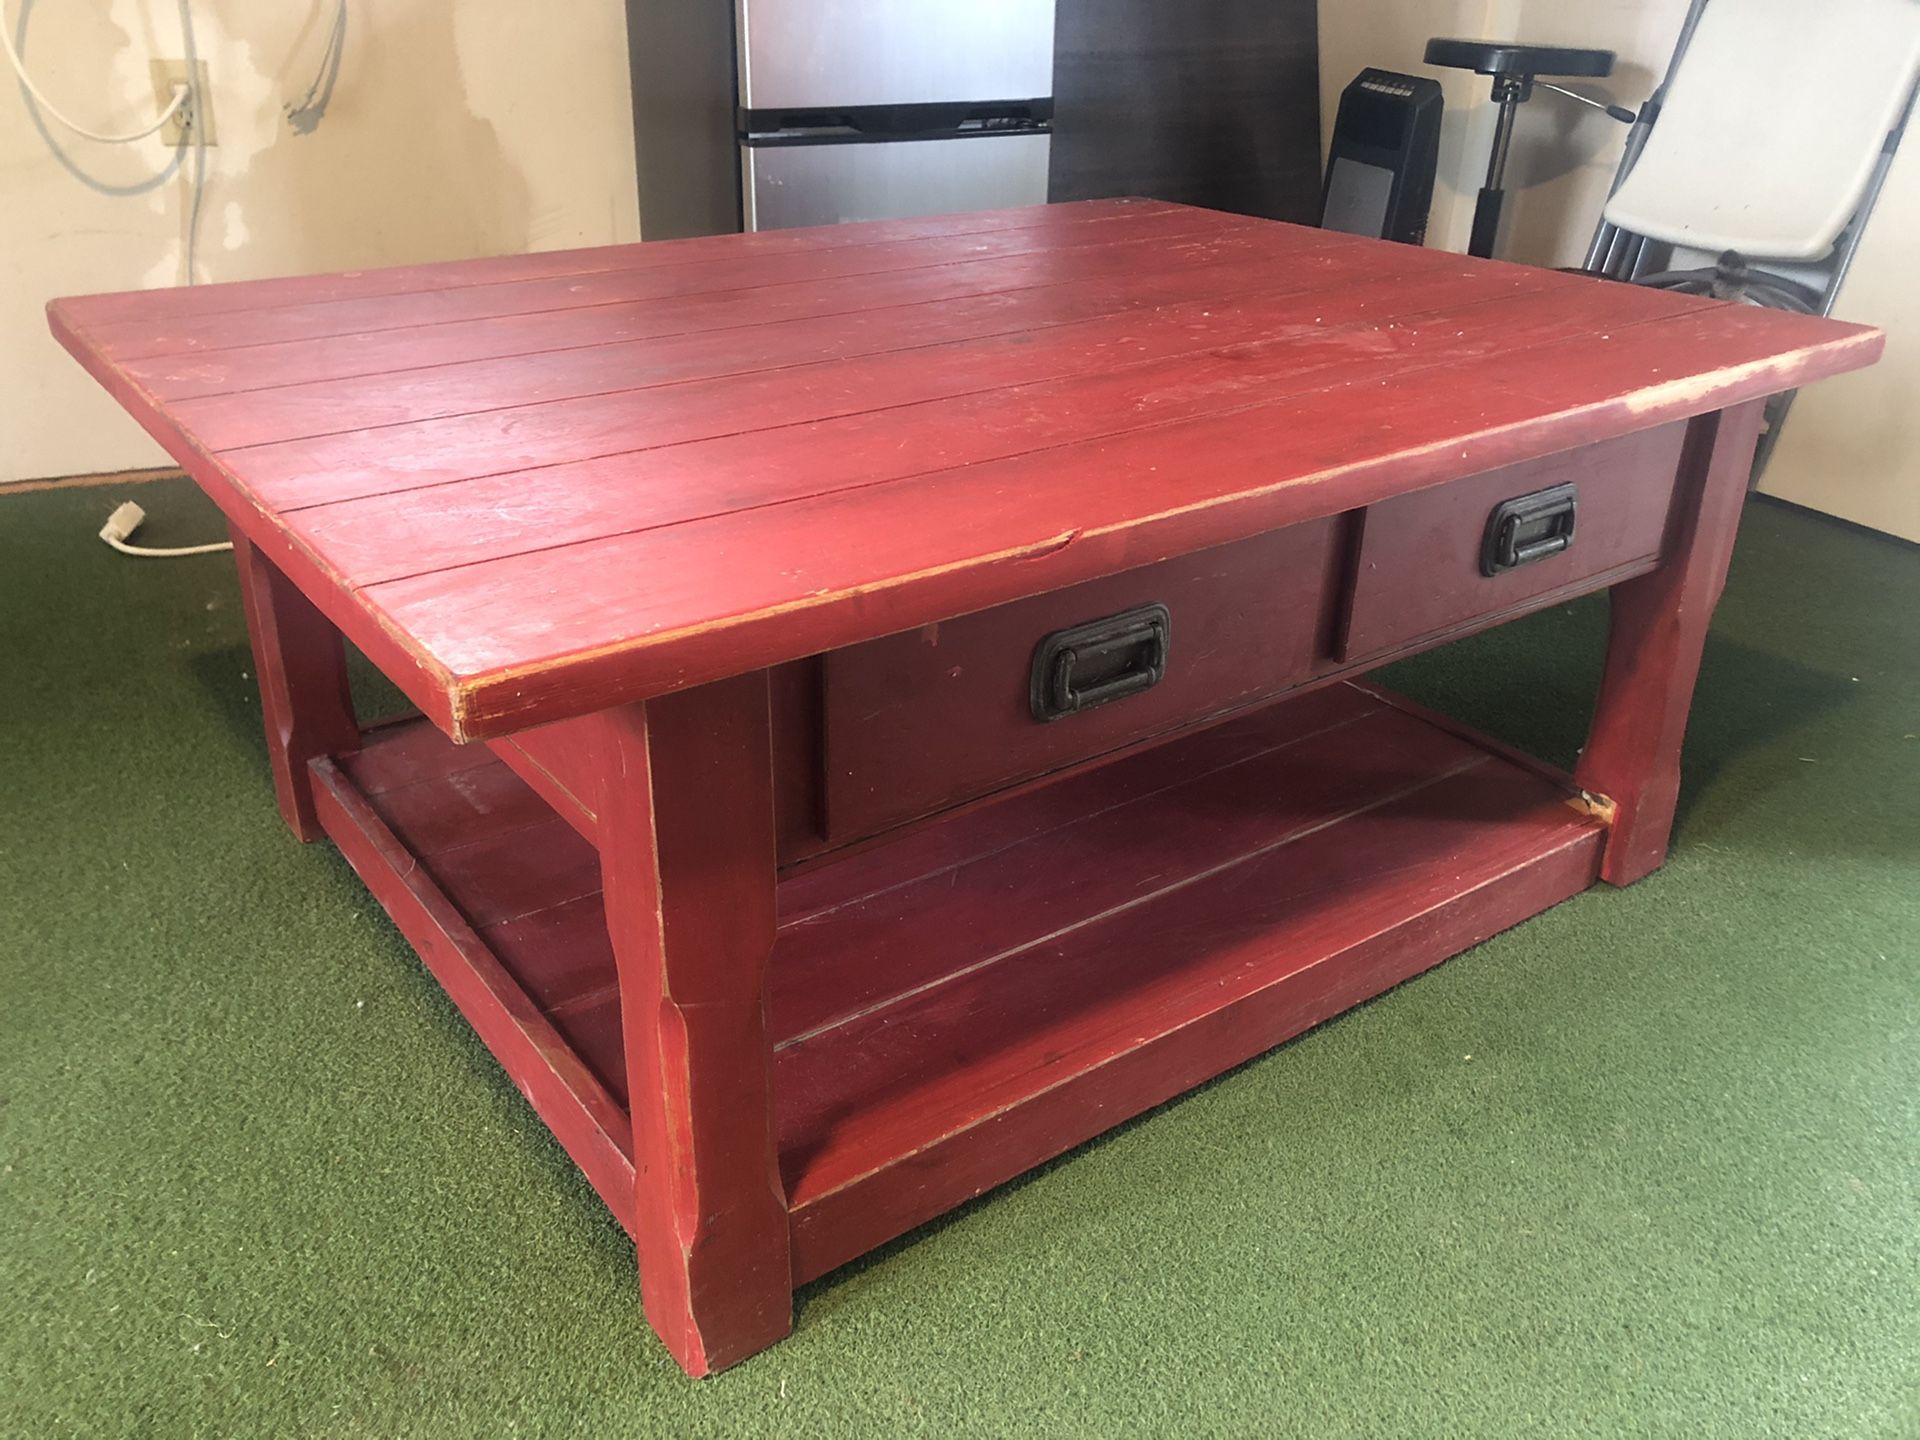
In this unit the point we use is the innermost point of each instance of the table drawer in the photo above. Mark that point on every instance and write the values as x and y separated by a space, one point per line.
933 717
1509 540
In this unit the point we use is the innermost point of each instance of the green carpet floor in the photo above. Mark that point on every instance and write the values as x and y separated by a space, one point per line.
1645 1166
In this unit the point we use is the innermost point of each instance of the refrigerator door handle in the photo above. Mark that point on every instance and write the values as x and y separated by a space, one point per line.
898 122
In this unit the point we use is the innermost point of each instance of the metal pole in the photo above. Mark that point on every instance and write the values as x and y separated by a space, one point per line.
1508 91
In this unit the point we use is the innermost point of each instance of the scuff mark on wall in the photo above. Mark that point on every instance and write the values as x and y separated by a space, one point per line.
234 232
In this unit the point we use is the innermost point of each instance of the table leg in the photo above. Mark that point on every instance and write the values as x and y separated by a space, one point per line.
1654 643
302 664
685 823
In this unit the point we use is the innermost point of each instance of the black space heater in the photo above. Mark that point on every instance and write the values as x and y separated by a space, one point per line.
1386 148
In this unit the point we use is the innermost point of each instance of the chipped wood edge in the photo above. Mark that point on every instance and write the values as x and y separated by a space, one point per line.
1595 807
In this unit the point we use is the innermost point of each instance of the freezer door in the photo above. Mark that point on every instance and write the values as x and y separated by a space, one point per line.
788 185
816 54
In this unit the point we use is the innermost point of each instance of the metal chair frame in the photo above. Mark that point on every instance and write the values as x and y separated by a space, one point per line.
1808 286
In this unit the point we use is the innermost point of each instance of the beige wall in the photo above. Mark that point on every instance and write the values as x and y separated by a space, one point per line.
1852 444
456 129
1852 447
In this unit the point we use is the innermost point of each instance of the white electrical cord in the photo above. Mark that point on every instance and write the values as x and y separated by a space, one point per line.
127 518
181 95
304 114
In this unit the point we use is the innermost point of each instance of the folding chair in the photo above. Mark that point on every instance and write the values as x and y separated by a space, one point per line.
1751 171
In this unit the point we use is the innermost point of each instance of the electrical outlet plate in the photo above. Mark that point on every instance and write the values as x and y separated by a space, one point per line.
192 123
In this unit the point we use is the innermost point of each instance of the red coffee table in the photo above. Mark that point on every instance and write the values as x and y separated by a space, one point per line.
889 700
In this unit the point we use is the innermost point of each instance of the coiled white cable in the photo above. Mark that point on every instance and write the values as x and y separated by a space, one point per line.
182 93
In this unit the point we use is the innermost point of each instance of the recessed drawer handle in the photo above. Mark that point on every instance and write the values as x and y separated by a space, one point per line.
1528 528
1099 662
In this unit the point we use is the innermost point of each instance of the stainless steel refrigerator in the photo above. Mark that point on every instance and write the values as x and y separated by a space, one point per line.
879 109
783 112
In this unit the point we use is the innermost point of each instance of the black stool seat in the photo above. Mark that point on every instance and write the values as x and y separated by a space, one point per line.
1514 68
1495 57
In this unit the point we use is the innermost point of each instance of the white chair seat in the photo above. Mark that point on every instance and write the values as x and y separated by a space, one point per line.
1772 124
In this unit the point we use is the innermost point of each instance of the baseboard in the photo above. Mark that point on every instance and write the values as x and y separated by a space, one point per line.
80 482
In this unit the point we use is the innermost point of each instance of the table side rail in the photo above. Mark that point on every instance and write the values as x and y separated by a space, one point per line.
584 1117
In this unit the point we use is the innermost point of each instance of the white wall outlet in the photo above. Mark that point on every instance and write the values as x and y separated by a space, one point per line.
192 123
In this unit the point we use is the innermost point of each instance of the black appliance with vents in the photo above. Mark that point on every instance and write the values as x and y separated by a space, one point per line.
1385 152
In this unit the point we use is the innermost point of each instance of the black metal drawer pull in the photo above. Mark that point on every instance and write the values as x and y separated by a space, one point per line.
1528 528
1099 662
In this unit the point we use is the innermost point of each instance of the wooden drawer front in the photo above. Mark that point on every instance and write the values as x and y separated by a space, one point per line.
926 719
1419 572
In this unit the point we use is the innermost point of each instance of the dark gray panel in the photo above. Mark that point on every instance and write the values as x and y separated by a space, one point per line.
1208 102
683 117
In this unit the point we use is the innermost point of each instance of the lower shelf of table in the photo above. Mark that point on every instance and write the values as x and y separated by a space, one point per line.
956 1006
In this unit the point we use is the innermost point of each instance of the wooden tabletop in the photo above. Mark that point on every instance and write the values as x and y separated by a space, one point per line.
539 485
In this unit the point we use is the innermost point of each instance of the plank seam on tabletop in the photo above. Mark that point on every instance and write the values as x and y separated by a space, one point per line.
1275 402
167 304
691 330
330 395
1207 348
107 331
1025 327
240 352
425 429
1060 377
445 374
